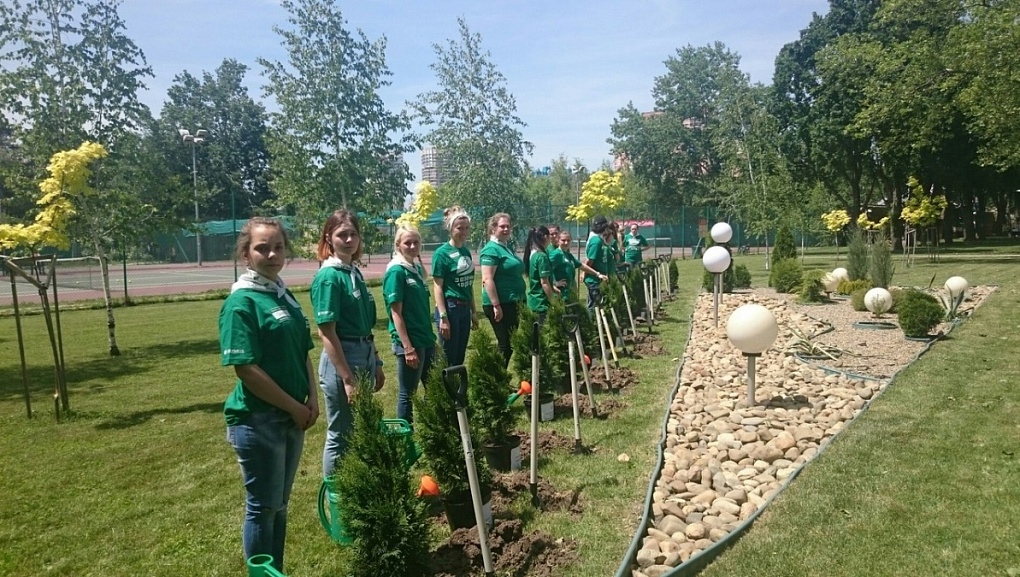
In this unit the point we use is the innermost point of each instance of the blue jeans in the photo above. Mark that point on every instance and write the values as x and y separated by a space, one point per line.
459 316
339 419
268 447
408 379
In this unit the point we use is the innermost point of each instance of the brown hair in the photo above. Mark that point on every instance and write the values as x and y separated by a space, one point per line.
244 236
342 216
494 221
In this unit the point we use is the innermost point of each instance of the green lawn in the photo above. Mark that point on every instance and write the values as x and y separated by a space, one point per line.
142 482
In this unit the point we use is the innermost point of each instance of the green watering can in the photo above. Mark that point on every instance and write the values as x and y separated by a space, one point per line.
262 566
329 502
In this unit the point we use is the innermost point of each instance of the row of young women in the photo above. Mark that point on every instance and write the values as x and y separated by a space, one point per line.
265 337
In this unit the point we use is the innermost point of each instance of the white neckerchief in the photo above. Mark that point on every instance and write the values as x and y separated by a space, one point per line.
332 261
400 261
252 280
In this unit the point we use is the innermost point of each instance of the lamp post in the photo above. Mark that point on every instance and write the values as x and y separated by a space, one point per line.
752 329
195 140
716 260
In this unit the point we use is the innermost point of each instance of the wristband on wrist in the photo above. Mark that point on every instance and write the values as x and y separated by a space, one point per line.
496 306
444 316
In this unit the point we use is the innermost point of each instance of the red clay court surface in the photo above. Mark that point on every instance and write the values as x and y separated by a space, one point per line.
167 279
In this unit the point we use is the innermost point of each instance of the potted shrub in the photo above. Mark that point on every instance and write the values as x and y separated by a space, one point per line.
386 525
674 273
488 390
918 313
438 435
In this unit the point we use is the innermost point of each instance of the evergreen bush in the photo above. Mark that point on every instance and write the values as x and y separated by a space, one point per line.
438 434
786 275
919 313
388 526
785 248
881 262
897 298
857 299
811 288
488 389
857 255
555 360
708 280
741 277
848 287
674 273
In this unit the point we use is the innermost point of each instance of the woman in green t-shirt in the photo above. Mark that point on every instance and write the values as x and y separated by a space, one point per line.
407 304
502 282
540 277
453 281
345 314
265 337
565 266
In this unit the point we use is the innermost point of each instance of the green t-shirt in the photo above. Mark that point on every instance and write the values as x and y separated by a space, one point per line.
454 266
634 244
339 295
612 257
597 252
260 328
539 268
402 285
508 274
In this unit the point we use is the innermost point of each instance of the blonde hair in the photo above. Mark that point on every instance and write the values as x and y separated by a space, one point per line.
452 215
403 230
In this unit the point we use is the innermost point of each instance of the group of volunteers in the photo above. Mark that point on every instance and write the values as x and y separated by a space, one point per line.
266 337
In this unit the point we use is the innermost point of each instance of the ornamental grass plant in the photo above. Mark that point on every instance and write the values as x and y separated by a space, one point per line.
881 262
857 255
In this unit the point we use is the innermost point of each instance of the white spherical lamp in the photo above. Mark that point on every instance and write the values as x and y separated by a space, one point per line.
957 285
716 259
831 282
841 273
752 329
878 300
721 232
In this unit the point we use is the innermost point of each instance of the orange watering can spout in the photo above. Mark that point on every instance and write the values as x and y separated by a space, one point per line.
428 487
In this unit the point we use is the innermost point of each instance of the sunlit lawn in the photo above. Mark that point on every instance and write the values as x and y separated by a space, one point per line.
142 482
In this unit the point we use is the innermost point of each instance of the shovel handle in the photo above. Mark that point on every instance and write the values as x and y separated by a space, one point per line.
456 383
535 331
569 323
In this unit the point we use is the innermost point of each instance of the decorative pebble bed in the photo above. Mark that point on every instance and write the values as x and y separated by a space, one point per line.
722 460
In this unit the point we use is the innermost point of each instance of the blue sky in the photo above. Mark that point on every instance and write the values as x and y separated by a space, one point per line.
571 65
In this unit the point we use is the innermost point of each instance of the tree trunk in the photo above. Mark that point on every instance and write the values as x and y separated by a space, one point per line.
111 324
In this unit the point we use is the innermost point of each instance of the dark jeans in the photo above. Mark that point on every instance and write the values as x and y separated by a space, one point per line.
459 316
408 379
594 297
504 328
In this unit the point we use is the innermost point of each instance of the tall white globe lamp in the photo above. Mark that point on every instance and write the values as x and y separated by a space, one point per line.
721 233
716 261
752 329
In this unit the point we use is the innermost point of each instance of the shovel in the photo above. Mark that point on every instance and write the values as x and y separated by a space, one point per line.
569 326
535 402
455 380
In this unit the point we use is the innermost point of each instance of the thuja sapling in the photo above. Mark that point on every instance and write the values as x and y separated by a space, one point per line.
489 389
387 525
435 429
